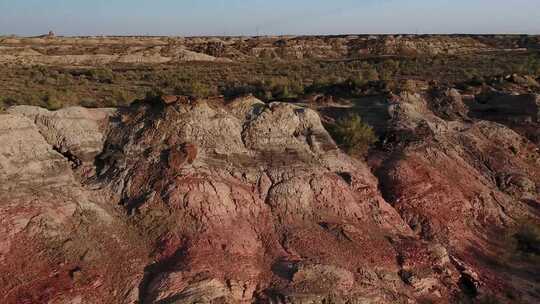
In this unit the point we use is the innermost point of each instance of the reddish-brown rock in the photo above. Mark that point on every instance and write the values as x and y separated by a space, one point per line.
184 154
249 202
463 184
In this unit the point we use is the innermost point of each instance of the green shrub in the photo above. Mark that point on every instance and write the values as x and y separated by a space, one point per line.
532 65
353 135
195 89
279 87
89 103
119 97
110 102
296 87
52 102
6 102
154 95
103 75
64 80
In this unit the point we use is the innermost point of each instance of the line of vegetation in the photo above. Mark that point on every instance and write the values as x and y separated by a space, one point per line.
54 87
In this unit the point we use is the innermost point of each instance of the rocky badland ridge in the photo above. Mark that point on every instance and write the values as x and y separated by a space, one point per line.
211 201
53 50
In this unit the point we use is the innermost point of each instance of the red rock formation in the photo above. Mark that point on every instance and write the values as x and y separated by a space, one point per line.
252 202
463 184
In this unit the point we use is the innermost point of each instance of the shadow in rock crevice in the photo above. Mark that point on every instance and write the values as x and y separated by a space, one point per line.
172 263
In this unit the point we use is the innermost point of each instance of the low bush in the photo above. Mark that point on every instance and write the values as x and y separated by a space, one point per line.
6 102
120 97
267 79
52 102
283 87
89 103
353 135
102 75
195 89
154 95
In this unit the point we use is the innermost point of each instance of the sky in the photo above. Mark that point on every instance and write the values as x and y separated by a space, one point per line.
266 17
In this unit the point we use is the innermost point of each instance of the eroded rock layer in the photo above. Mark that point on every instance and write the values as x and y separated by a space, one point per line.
52 50
207 201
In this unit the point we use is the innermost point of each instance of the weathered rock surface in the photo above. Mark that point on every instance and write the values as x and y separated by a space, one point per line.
205 201
75 132
463 182
57 237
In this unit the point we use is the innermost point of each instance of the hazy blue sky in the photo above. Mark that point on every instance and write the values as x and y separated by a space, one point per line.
245 17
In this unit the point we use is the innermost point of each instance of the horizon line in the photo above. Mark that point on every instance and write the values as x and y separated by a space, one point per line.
267 35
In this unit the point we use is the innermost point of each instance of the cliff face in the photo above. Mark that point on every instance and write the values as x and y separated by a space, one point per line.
462 182
235 202
61 242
